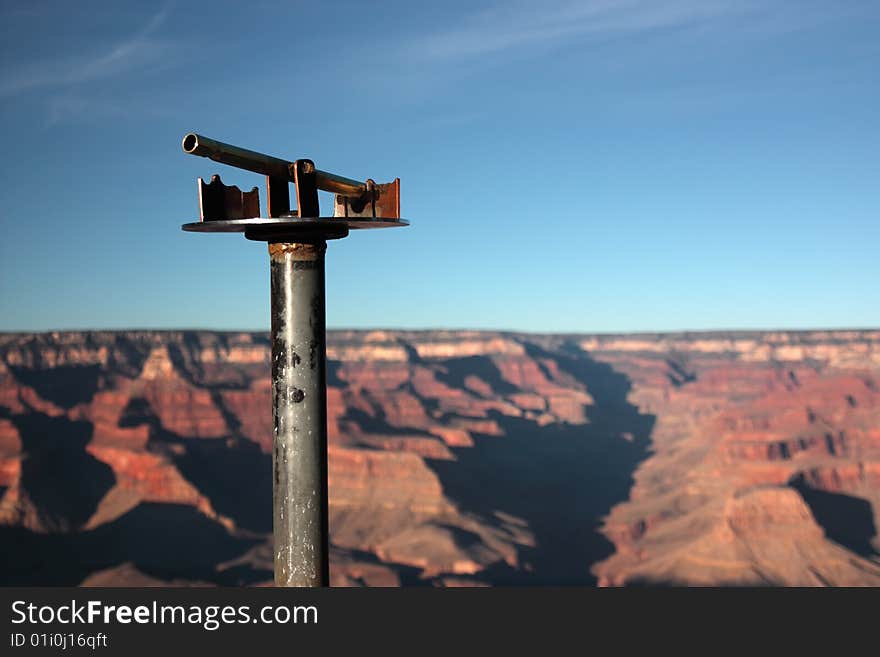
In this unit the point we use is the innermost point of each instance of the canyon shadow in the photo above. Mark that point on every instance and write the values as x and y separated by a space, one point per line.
561 478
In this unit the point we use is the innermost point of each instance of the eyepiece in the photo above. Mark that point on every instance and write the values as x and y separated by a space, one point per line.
190 142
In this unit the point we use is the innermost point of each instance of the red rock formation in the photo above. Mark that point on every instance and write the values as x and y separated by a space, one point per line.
793 412
461 458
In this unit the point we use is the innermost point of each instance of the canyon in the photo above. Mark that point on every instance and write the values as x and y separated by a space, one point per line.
456 458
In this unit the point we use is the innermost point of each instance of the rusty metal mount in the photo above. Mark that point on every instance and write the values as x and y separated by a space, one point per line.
353 199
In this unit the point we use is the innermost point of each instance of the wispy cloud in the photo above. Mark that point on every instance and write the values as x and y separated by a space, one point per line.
70 107
518 25
131 53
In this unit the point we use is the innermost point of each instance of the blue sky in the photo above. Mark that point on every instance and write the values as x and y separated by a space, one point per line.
630 165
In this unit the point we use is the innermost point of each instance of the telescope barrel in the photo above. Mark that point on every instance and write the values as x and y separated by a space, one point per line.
330 182
237 157
267 165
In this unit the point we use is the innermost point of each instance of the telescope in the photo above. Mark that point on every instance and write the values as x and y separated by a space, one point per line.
225 208
267 165
297 241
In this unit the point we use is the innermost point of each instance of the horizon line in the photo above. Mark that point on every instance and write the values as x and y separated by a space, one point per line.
704 331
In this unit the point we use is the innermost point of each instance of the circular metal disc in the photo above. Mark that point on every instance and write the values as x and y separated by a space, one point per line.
291 223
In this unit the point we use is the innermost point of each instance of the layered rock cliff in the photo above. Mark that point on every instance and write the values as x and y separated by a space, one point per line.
456 458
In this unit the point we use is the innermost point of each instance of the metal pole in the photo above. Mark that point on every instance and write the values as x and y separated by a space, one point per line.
299 399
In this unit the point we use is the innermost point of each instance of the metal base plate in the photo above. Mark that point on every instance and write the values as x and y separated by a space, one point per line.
291 228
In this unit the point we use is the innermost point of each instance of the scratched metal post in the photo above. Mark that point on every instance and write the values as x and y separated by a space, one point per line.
297 244
299 396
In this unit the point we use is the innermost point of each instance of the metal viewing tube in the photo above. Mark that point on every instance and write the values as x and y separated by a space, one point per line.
266 164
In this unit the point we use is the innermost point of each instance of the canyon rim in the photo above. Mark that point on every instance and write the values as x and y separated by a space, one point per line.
456 458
